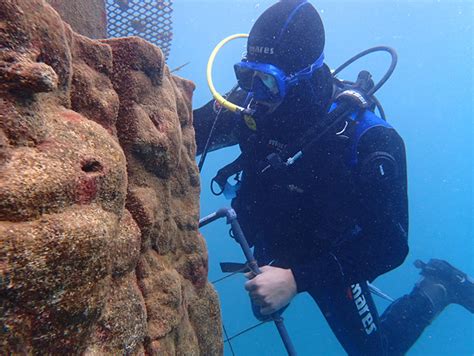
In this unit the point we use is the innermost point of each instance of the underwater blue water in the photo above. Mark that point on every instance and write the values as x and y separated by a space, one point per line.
429 100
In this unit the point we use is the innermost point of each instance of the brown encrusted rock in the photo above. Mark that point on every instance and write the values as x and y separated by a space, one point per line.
92 92
87 17
120 332
63 186
155 129
99 247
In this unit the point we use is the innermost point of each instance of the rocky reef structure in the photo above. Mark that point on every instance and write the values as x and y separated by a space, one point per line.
99 247
87 17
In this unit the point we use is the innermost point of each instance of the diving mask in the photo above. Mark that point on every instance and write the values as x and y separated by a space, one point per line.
269 83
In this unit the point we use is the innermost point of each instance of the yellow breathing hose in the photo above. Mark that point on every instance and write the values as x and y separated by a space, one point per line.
219 98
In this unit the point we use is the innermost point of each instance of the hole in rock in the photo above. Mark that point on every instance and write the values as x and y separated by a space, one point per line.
92 166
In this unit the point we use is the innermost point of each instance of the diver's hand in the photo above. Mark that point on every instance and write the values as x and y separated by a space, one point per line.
272 289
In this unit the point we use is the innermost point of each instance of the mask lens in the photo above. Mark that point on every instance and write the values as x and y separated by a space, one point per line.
247 76
244 77
269 81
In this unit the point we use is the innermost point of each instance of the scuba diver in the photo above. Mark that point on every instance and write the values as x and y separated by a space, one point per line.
331 217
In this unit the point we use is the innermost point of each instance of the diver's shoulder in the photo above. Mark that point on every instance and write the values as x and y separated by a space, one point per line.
382 138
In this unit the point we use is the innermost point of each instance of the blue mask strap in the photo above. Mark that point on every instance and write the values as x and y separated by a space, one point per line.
318 63
307 72
288 20
310 70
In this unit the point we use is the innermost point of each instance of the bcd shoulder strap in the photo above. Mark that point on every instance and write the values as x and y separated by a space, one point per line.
365 120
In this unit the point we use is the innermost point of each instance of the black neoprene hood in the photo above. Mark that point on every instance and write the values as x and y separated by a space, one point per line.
289 35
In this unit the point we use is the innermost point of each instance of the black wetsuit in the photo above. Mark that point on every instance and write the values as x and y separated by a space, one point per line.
336 225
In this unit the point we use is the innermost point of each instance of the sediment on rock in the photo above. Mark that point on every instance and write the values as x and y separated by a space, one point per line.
99 247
